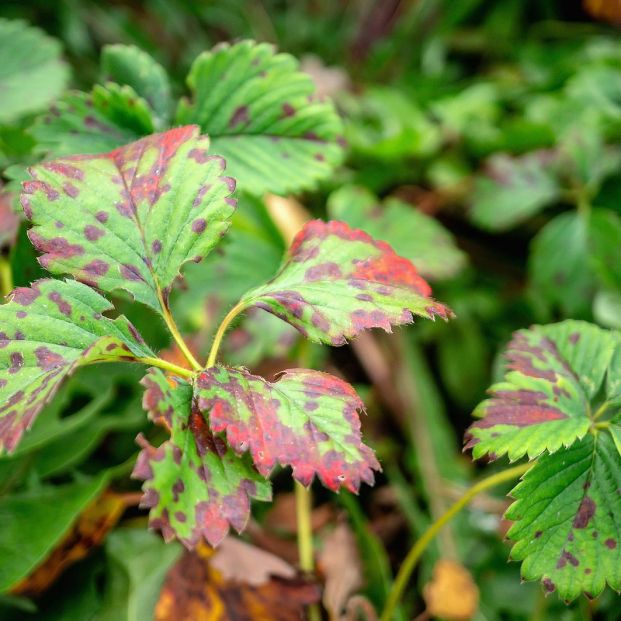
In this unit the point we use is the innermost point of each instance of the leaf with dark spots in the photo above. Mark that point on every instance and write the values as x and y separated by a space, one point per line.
413 234
307 420
512 189
136 215
195 486
567 518
263 117
550 392
104 119
48 330
337 281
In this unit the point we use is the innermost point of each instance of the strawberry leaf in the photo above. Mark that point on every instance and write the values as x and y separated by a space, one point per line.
559 377
307 420
263 117
131 218
337 281
96 122
129 65
413 234
194 484
568 519
513 189
46 331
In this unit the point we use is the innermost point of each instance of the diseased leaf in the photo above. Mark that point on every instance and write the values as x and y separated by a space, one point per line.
261 115
307 420
96 122
568 519
199 587
413 234
551 391
47 331
32 71
130 219
127 64
336 281
513 189
194 484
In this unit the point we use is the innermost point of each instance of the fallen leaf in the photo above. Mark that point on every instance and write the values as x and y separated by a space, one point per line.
340 563
282 515
9 221
88 532
452 593
195 589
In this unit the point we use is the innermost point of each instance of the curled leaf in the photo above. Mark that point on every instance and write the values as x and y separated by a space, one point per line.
130 219
46 331
307 420
337 281
194 485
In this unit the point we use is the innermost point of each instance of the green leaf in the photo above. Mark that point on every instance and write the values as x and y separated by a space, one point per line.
307 420
572 257
262 116
336 281
34 522
413 234
32 72
568 519
127 64
512 189
48 330
130 219
96 122
551 392
194 485
138 562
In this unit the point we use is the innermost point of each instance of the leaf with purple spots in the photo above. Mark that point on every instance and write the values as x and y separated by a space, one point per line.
263 116
104 119
46 332
567 516
130 219
561 380
195 486
337 281
307 420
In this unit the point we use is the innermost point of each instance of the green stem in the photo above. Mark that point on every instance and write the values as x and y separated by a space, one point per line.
419 547
601 410
166 366
217 341
6 276
174 331
303 508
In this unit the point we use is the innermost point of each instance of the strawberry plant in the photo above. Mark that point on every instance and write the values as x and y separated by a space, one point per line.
201 231
130 219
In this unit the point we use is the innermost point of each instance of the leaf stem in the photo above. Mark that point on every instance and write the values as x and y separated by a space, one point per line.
303 507
174 331
601 410
419 547
166 366
6 276
217 340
